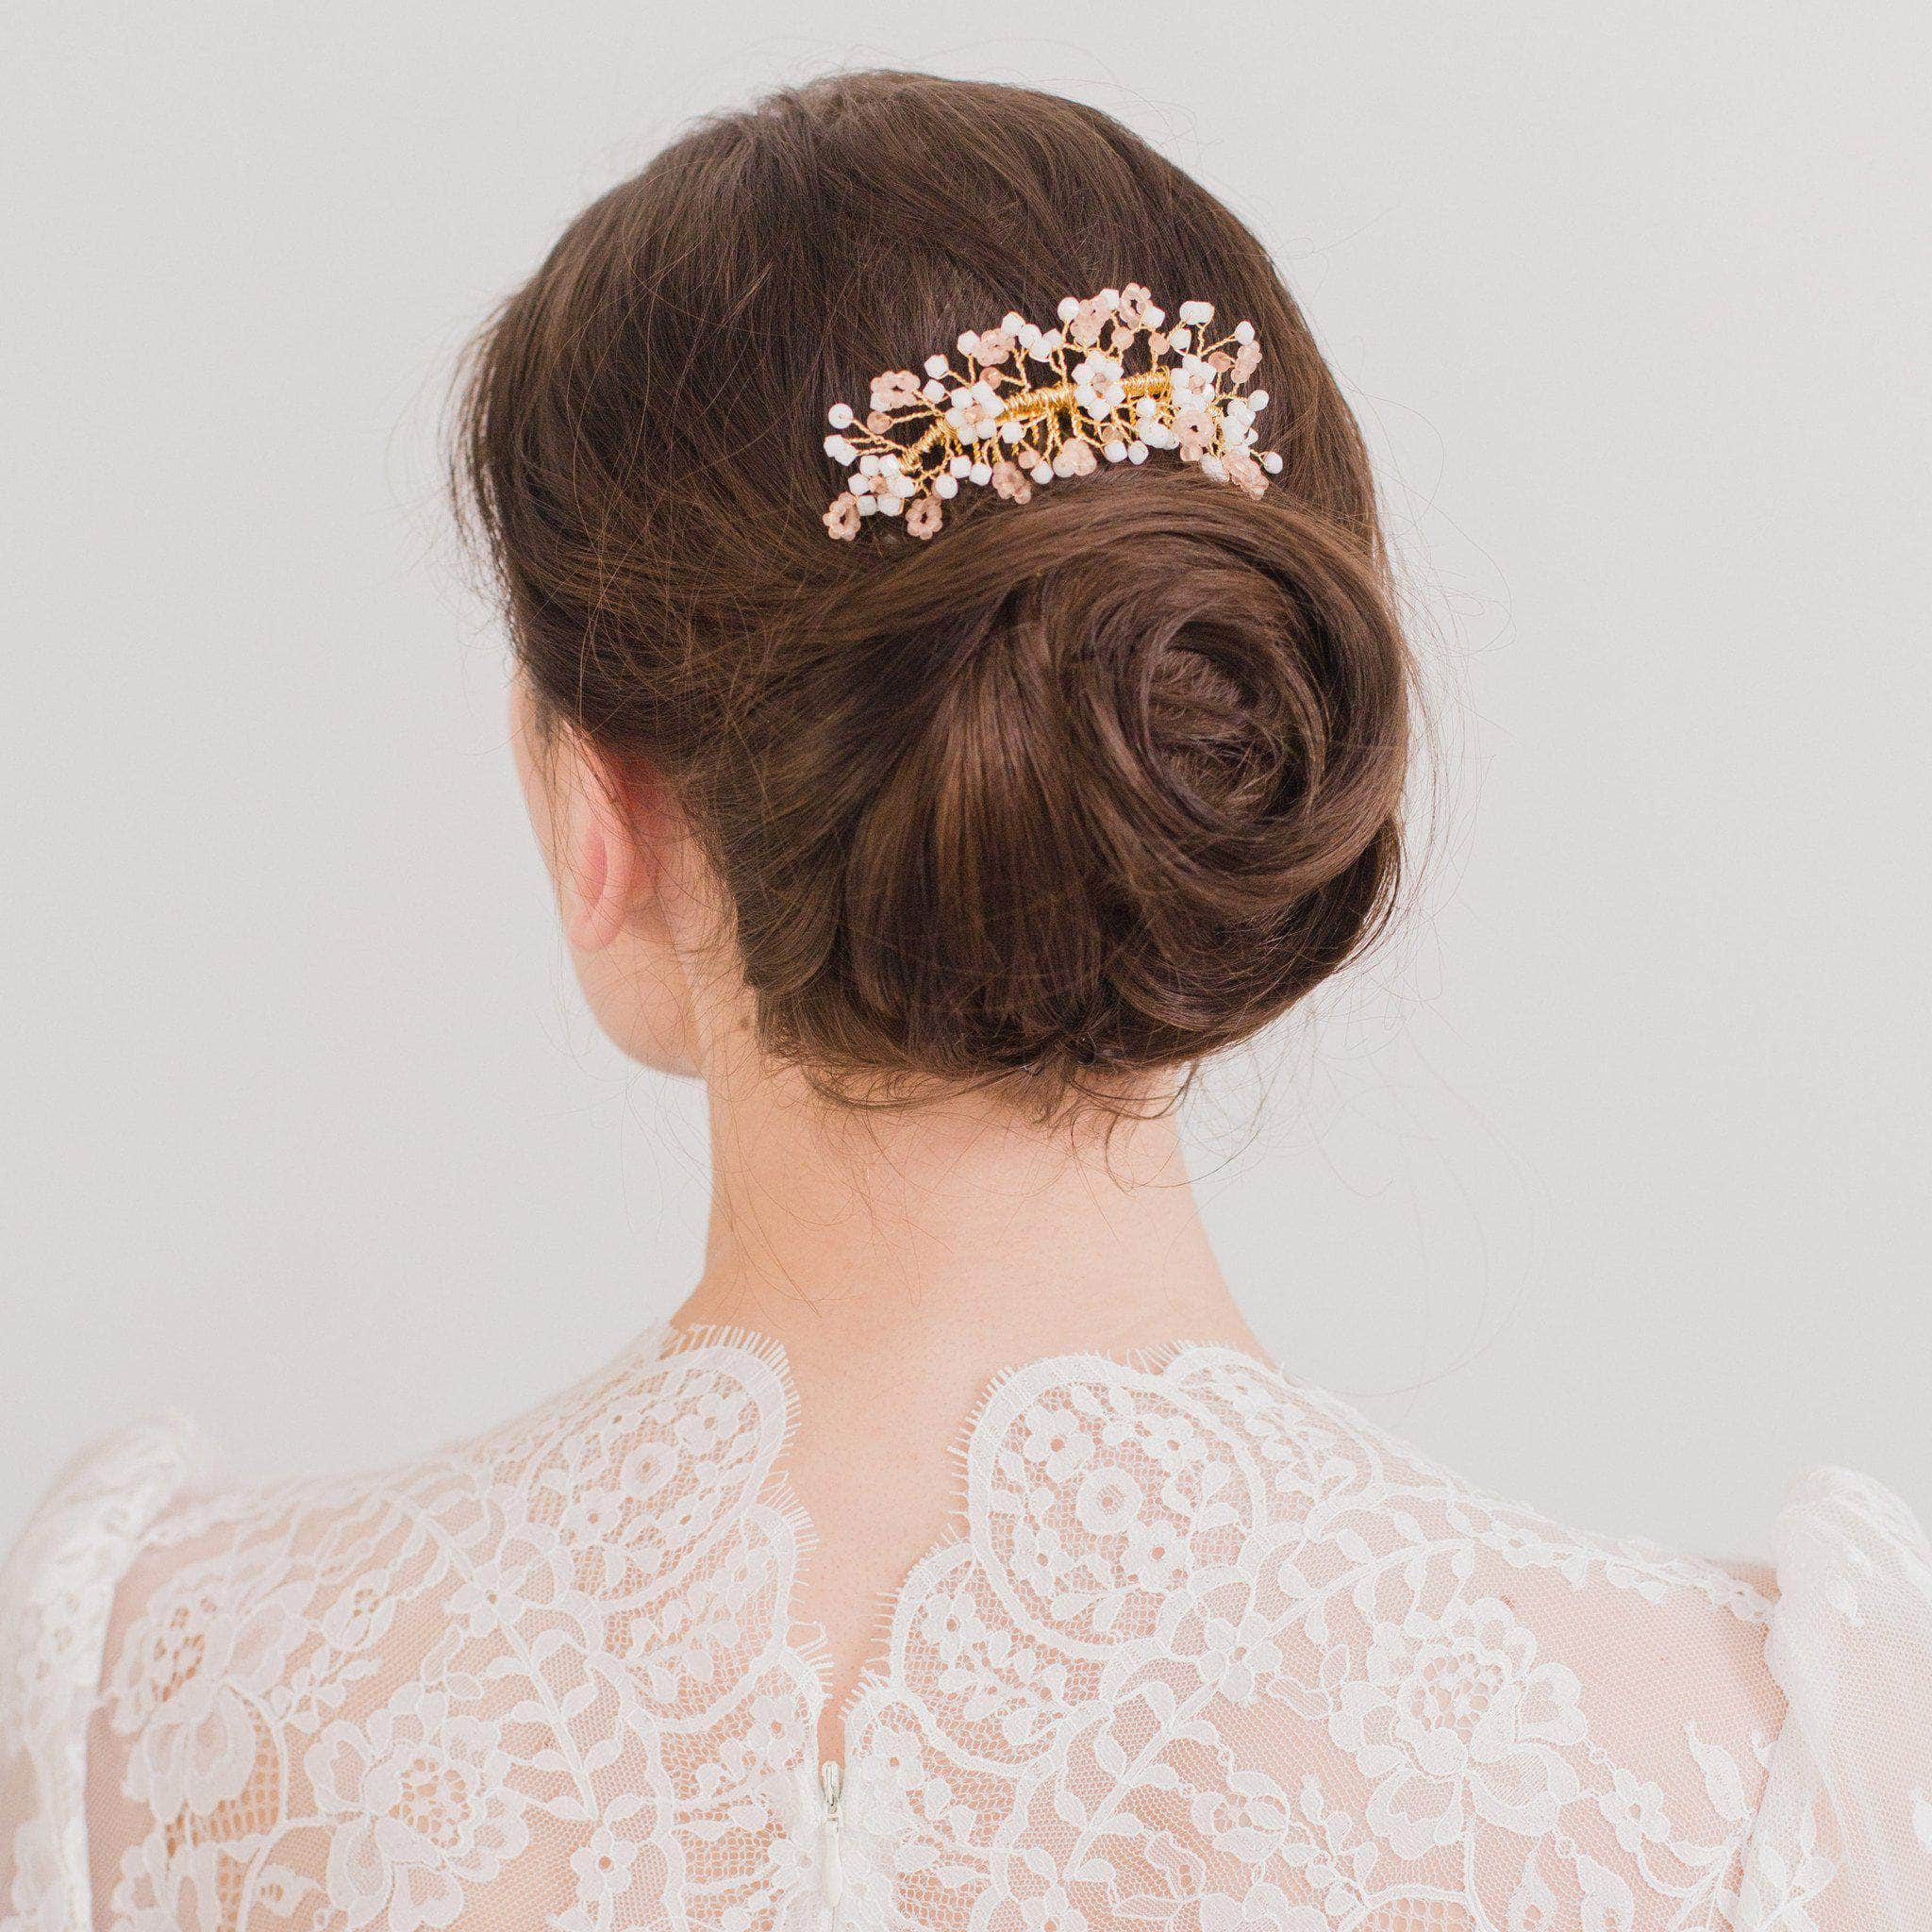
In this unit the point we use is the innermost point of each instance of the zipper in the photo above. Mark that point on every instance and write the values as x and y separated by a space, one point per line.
831 1864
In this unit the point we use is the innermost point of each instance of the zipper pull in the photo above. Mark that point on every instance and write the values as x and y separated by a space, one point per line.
831 1867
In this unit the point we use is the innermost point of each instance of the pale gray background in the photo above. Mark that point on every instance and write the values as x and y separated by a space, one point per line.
1608 1182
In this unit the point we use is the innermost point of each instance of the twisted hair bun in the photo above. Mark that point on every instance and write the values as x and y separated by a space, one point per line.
1082 789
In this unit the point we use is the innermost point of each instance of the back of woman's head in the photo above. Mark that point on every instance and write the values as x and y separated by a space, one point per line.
1084 788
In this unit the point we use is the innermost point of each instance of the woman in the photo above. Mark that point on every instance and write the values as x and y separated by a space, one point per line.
957 693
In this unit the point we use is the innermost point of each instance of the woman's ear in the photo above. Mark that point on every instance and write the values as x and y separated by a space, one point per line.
585 811
627 882
603 866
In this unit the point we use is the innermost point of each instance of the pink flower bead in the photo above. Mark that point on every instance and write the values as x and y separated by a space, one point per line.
1009 480
1195 428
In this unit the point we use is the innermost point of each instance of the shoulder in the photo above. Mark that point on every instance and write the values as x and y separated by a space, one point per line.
1199 1585
1609 1720
294 1593
1847 1823
58 1592
58 1586
1792 1697
1308 1469
179 1653
1378 1567
1847 1545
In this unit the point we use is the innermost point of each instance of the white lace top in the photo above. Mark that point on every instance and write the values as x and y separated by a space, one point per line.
1207 1654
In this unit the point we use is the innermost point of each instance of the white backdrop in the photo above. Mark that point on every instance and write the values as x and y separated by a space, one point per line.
1608 1182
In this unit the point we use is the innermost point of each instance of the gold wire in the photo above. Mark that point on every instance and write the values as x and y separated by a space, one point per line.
1031 406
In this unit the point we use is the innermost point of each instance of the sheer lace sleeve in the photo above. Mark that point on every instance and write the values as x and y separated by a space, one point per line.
57 1599
1844 1842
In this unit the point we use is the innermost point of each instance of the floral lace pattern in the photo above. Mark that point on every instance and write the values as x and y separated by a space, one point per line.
1209 1652
57 1594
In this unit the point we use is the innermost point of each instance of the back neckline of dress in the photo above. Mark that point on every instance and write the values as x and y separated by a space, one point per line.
1003 1394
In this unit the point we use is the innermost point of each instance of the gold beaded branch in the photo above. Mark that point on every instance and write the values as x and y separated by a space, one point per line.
1034 404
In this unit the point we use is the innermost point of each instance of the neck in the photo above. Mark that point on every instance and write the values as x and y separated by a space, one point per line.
876 1245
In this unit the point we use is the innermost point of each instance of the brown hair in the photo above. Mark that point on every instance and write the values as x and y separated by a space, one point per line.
1085 787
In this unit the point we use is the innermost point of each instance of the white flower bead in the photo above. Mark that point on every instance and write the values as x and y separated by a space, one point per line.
1110 299
1115 451
1213 466
839 415
1155 317
947 486
935 365
1198 312
1137 452
868 465
1012 321
867 506
1043 473
892 506
969 343
933 390
981 474
1070 307
1245 332
840 450
1012 432
1272 463
1258 401
1181 337
960 466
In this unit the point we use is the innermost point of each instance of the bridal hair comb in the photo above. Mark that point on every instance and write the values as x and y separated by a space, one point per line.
1110 384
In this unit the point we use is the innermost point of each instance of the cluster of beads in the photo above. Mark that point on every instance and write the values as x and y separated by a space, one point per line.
1111 383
